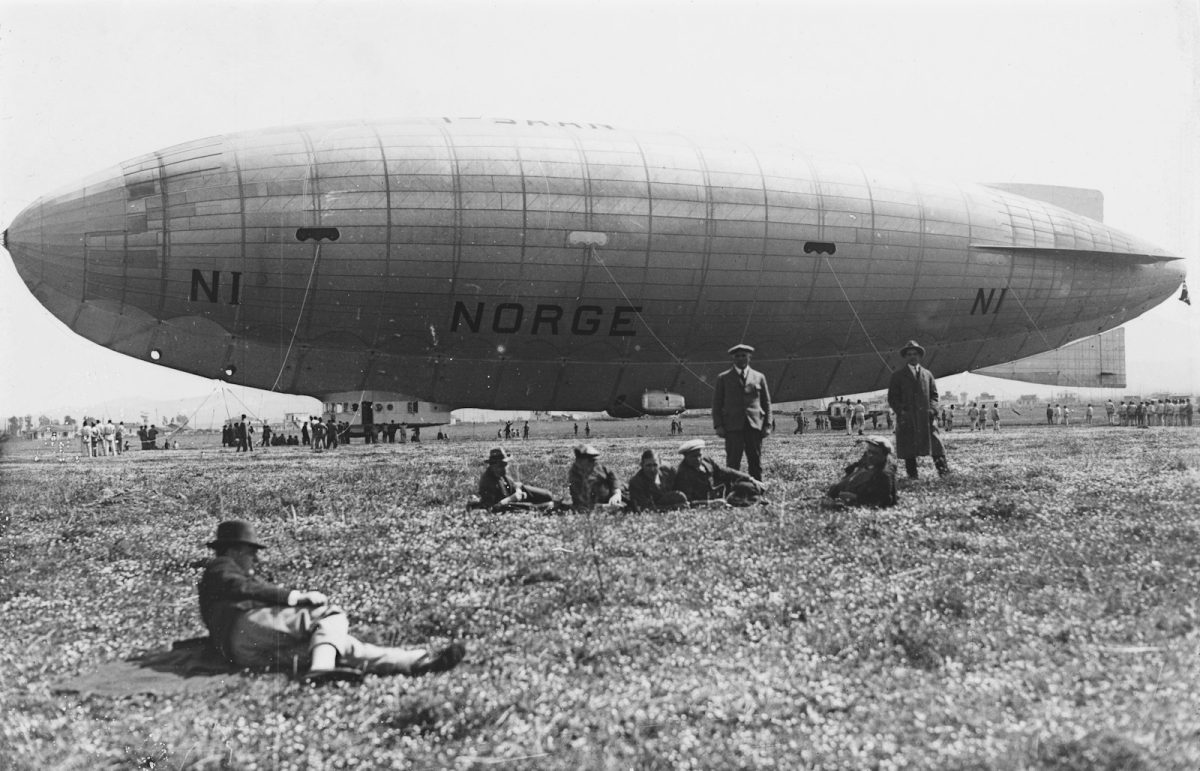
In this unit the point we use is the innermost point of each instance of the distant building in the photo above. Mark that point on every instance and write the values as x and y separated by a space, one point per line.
60 430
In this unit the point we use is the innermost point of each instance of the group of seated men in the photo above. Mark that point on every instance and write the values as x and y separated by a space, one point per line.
869 481
253 622
655 486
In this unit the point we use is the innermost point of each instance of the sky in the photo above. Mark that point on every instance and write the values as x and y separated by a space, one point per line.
1091 94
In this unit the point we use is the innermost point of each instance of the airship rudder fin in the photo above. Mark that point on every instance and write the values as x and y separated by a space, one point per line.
1080 200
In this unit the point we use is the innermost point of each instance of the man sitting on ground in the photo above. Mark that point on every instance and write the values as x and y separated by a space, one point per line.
255 623
703 479
592 484
871 481
653 487
500 489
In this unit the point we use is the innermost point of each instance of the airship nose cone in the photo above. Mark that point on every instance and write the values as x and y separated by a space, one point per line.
50 240
21 239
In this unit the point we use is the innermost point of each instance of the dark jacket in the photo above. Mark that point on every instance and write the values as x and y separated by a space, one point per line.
226 591
493 489
914 399
591 489
739 406
872 485
710 482
644 495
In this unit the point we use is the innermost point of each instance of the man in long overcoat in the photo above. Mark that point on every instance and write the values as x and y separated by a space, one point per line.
913 395
742 411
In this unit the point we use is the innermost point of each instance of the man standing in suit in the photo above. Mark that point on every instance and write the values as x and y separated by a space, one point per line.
742 411
913 395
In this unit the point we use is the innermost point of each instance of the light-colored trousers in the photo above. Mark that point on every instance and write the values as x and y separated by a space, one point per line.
280 635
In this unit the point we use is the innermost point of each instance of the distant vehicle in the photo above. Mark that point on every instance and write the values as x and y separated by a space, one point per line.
353 408
839 411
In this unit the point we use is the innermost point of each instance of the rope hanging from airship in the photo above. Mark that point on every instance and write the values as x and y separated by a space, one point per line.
1013 294
596 256
225 401
247 409
1016 296
190 419
299 315
593 252
857 318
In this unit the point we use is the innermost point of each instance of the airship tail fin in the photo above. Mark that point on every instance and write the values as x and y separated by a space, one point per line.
1081 200
1085 255
1093 362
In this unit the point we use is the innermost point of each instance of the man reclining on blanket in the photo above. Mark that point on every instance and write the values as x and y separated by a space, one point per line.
255 623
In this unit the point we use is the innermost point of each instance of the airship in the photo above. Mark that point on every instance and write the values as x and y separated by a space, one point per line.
540 265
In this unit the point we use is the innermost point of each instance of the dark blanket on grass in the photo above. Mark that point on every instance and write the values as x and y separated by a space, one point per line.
189 666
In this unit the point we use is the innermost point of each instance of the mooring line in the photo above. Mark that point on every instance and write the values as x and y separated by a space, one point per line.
857 318
299 316
641 318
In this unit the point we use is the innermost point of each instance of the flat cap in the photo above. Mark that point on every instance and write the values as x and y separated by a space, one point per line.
878 441
691 445
586 451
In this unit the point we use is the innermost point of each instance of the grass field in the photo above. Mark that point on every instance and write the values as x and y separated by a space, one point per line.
1040 608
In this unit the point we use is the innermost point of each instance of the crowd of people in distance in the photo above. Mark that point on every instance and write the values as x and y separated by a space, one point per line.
856 421
508 432
99 438
979 416
316 433
852 417
1175 412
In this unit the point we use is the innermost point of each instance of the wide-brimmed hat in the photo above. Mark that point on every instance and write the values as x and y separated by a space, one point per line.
236 531
498 455
741 347
912 345
691 445
878 441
